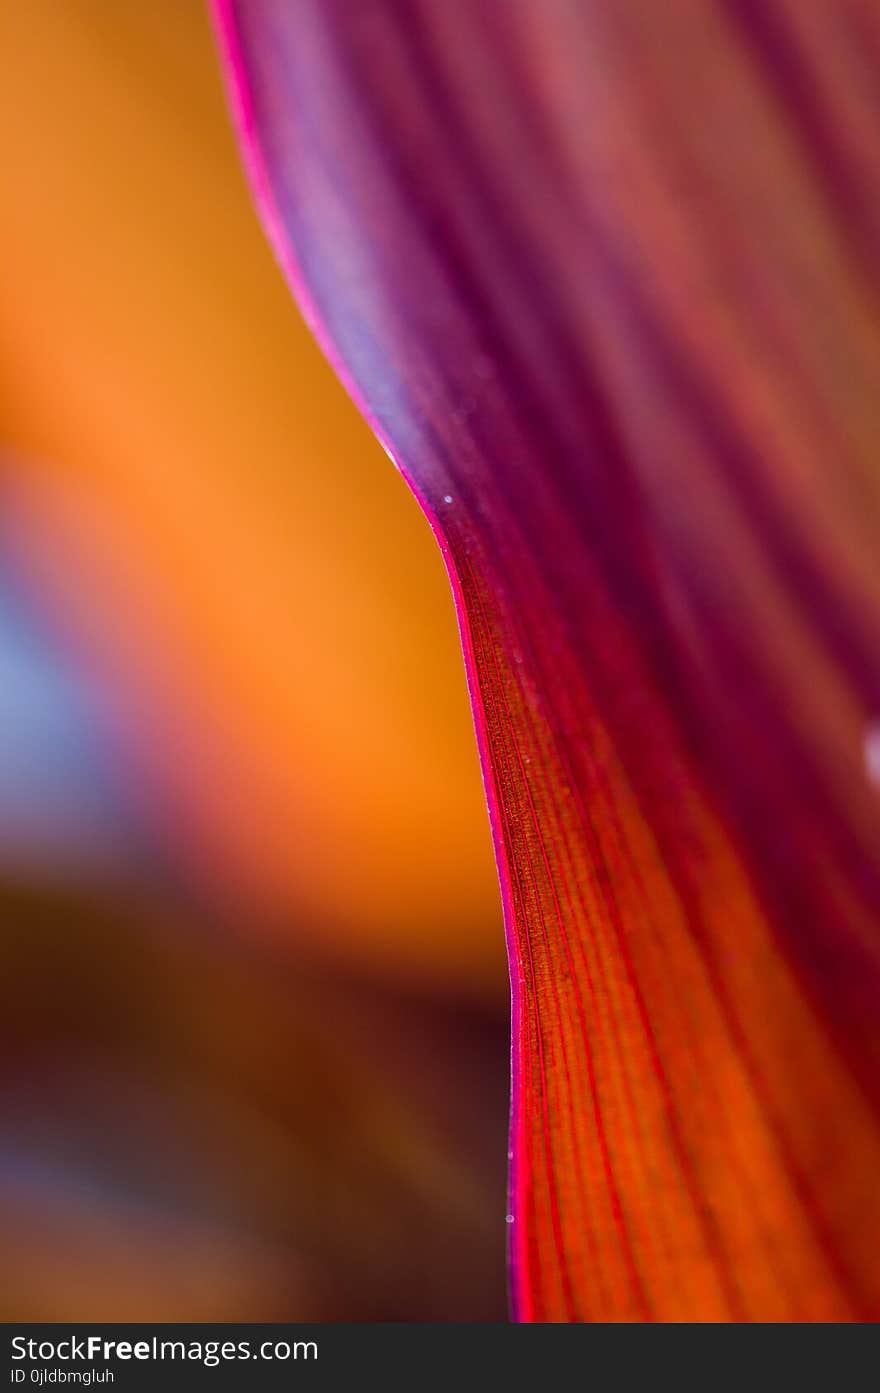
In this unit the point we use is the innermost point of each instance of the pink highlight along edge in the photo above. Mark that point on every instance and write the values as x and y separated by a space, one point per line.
245 123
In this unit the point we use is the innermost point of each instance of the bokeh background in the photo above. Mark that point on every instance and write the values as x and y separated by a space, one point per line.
253 998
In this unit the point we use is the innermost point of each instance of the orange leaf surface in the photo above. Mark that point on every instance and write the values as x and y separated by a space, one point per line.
604 278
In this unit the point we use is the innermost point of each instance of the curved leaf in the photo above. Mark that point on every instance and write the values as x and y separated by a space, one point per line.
603 275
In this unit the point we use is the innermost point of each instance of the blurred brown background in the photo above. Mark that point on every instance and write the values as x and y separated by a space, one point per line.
253 1000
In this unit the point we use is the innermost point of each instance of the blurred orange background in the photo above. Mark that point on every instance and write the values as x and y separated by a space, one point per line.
242 830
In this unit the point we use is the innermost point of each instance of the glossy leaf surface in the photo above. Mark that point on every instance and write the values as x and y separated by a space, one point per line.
604 278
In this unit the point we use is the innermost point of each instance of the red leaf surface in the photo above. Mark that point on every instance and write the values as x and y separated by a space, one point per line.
603 275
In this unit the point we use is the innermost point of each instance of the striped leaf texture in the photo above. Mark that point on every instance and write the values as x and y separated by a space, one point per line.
603 275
